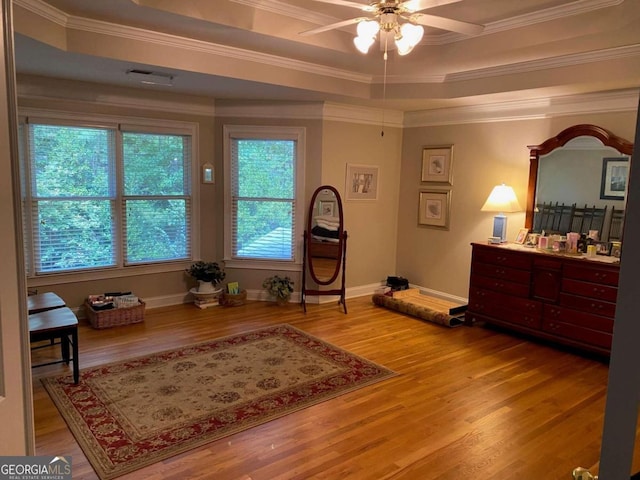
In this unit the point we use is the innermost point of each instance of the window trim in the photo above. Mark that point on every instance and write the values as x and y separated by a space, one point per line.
298 134
130 124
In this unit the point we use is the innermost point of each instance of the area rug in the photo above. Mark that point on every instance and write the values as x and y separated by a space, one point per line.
130 414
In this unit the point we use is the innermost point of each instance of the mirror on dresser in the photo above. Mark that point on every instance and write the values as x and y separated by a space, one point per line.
577 182
325 246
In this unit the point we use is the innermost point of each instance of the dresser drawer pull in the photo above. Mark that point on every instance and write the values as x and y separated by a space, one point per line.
595 305
598 290
600 276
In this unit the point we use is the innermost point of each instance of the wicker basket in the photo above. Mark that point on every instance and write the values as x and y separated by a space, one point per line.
234 299
115 317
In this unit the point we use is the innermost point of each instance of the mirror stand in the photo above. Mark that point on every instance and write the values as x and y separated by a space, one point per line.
325 246
336 291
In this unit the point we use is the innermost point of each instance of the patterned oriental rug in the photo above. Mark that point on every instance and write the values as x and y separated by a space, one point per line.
130 414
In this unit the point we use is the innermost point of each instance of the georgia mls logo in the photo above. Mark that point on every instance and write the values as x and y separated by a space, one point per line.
35 468
59 466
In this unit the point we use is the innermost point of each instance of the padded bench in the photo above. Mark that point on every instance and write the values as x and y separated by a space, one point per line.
58 323
424 307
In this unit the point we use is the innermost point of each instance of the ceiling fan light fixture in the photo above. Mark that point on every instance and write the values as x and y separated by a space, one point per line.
413 33
363 43
368 28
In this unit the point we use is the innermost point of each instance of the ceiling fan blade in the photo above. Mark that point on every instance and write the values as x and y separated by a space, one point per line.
447 24
418 5
332 26
347 3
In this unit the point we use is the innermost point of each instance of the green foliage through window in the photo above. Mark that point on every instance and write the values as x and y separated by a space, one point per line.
264 198
73 202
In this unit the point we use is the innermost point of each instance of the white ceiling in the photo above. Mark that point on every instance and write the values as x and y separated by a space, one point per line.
253 50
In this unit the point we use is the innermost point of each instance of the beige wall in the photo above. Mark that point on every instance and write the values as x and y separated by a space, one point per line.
384 236
371 224
485 154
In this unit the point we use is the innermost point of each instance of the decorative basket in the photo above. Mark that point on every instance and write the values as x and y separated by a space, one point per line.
115 317
234 299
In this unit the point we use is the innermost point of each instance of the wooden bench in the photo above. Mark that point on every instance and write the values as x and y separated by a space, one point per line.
58 323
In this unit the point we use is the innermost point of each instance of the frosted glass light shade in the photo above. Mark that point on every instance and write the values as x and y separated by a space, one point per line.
363 43
368 28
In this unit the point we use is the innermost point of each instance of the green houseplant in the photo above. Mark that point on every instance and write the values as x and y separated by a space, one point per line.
208 274
279 287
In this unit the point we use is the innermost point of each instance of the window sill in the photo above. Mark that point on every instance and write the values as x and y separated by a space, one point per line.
86 276
263 265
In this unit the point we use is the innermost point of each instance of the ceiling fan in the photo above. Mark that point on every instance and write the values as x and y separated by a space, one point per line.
386 17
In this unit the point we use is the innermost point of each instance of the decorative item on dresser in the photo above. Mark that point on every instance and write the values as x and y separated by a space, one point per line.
566 299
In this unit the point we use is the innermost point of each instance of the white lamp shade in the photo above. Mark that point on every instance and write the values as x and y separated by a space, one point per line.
502 199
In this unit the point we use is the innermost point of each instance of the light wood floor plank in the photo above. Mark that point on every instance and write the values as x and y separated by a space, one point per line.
467 402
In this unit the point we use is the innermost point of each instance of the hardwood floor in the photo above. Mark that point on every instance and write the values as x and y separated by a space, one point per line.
467 403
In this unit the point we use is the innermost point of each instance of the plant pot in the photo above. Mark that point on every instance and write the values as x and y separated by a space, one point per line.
282 301
206 287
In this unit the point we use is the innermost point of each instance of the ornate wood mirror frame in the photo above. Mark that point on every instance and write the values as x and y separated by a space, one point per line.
325 245
536 151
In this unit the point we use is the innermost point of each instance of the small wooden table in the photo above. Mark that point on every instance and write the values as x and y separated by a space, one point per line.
44 301
53 324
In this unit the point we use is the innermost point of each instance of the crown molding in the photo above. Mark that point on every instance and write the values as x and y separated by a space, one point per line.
27 90
608 54
100 27
609 102
313 111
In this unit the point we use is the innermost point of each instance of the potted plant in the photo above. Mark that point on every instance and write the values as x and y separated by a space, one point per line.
279 287
208 274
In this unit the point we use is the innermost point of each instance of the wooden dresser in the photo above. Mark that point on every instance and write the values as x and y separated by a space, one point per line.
567 299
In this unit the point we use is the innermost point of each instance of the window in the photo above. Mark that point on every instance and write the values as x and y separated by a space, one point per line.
264 168
104 196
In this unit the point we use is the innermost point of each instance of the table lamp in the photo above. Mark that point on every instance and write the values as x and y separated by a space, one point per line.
501 199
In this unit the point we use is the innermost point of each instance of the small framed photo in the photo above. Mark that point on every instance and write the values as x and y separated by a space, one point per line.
616 248
326 208
615 173
361 182
434 208
603 248
543 243
522 235
436 164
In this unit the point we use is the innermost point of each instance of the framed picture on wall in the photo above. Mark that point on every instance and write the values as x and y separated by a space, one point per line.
434 208
361 182
615 173
436 164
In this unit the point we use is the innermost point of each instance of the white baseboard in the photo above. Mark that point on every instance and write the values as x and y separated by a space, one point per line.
261 295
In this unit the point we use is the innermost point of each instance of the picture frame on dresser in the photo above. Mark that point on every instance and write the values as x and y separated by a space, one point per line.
521 236
603 248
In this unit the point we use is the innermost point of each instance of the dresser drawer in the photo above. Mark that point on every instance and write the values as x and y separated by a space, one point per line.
597 307
578 334
501 272
522 312
500 285
557 314
499 256
591 274
591 290
487 300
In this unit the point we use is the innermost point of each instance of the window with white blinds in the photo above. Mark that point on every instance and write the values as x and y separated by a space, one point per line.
264 193
102 197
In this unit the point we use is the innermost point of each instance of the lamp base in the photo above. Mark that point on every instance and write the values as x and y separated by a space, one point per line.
500 227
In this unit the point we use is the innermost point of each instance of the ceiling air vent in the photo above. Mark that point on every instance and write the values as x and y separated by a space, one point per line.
150 78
